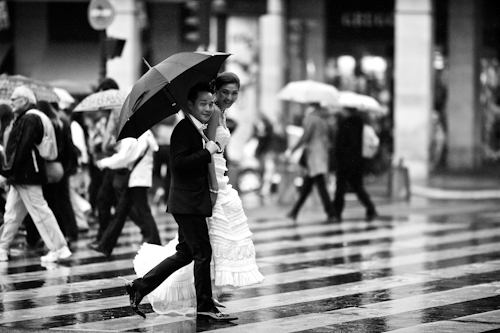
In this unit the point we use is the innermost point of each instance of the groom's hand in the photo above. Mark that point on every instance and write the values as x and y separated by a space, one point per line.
213 198
212 147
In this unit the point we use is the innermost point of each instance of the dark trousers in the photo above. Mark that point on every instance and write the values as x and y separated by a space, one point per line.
96 176
355 180
306 189
132 202
58 199
106 198
194 244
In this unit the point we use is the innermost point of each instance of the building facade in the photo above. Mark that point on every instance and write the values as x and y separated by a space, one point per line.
429 62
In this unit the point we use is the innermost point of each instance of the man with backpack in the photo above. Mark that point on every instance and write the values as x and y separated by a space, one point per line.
25 172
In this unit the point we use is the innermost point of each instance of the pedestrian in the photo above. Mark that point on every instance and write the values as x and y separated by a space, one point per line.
190 202
79 181
101 195
133 166
316 140
349 160
233 258
58 194
25 172
101 192
6 121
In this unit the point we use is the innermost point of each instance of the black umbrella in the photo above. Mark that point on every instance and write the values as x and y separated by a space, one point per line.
162 91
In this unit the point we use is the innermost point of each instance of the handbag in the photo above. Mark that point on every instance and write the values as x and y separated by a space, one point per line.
54 171
371 142
121 177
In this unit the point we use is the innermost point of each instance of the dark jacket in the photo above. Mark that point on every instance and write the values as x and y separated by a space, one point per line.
26 133
67 152
189 191
349 144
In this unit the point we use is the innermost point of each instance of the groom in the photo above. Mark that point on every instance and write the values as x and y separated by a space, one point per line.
190 202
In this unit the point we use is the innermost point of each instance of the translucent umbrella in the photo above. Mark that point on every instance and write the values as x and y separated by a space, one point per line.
308 91
102 100
43 91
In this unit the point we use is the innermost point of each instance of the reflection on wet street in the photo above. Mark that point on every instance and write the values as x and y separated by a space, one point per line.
422 267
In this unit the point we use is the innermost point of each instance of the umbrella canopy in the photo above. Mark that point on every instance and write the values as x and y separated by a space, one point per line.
42 90
308 91
162 91
102 100
349 99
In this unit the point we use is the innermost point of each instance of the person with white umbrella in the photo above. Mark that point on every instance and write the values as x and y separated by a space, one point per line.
317 138
349 158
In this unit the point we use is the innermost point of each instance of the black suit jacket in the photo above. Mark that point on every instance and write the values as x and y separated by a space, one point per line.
189 191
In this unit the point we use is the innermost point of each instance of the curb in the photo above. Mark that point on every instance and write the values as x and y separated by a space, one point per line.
437 193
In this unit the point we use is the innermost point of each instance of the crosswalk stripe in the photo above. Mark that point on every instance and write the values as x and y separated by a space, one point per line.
389 269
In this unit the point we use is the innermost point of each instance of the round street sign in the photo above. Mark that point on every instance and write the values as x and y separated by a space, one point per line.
100 14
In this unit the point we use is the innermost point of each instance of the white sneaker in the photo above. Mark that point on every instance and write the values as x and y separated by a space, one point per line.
4 255
53 256
64 253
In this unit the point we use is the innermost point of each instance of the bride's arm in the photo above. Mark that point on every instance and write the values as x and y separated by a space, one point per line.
212 127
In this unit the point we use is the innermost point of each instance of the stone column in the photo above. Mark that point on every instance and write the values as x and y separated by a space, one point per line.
126 70
464 123
413 97
272 58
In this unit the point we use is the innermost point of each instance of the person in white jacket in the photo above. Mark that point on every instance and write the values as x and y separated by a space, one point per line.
134 162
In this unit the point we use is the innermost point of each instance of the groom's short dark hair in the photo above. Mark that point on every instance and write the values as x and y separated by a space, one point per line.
196 89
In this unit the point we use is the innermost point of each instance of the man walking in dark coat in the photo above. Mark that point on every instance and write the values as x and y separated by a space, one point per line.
190 201
349 158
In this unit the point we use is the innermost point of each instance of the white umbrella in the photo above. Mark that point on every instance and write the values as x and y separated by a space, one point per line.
65 98
308 91
349 99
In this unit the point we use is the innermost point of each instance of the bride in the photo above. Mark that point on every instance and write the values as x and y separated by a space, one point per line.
233 252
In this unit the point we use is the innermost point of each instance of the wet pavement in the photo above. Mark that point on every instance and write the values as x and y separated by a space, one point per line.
427 265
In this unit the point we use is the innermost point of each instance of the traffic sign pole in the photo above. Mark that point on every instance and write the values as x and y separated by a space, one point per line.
100 14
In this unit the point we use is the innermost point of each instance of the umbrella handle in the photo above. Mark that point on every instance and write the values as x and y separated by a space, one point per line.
192 122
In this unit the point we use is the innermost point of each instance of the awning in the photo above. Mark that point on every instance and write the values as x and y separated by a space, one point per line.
71 66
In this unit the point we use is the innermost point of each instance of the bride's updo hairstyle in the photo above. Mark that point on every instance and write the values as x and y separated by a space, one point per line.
223 79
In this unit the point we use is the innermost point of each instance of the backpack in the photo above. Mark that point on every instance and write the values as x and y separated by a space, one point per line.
371 142
48 149
48 146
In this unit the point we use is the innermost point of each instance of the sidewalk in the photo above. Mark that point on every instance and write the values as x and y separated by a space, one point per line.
479 185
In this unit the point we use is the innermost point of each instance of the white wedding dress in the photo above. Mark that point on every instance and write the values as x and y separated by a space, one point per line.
233 252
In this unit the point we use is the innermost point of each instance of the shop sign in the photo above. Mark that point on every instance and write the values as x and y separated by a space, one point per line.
4 16
360 19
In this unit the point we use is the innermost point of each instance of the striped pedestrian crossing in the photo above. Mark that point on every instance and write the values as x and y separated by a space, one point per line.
434 269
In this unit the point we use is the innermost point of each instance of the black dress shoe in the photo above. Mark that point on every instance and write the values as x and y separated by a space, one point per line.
135 298
215 315
292 215
334 219
96 247
371 216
